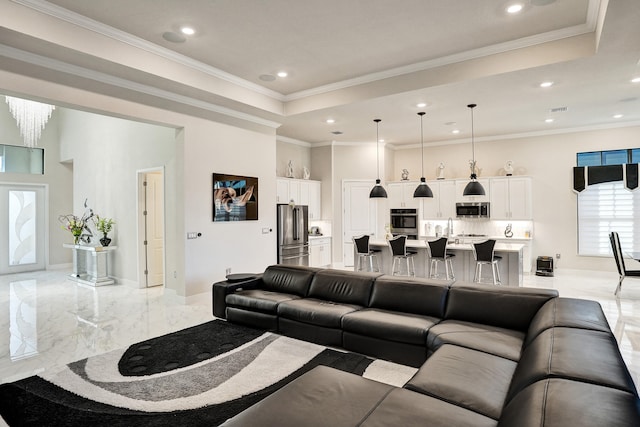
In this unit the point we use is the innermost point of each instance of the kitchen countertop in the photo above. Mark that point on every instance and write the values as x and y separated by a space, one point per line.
316 236
420 244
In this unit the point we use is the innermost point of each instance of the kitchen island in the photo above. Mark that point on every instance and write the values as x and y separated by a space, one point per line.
464 264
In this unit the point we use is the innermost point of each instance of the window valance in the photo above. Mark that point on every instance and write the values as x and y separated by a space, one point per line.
590 175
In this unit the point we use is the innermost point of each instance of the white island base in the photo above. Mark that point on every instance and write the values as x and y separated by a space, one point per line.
464 265
91 264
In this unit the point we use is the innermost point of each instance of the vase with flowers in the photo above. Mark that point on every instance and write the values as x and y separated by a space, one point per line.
75 225
104 225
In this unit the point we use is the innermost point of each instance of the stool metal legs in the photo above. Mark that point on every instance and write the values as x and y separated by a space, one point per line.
411 268
448 268
371 264
495 272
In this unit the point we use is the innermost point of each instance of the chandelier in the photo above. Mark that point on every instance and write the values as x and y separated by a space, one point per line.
31 117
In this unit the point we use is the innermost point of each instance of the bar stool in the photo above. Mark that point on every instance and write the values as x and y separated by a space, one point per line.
399 253
483 252
365 253
437 250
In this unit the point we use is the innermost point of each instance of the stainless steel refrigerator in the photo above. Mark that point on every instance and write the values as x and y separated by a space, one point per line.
293 235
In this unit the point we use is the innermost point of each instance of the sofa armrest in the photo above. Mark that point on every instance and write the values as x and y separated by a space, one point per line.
220 290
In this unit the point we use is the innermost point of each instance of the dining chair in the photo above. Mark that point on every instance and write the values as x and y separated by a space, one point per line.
437 251
617 254
365 253
400 254
484 254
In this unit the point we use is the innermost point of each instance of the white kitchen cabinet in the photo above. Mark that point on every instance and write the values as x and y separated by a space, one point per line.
320 252
400 194
302 192
443 203
315 200
462 183
511 198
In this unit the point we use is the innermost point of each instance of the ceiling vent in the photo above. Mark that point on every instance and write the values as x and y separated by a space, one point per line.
559 109
336 132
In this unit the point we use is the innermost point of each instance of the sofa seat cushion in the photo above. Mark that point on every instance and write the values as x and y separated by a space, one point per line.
316 312
389 325
558 402
258 300
410 409
577 354
469 378
321 397
501 342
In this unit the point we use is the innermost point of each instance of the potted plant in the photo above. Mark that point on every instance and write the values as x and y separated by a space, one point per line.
77 226
104 225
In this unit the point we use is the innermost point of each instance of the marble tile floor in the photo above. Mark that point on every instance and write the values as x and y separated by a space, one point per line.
48 320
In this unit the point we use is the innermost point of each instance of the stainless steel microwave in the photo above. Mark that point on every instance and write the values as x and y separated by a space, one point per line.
472 210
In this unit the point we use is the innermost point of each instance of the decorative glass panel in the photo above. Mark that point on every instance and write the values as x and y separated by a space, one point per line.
22 227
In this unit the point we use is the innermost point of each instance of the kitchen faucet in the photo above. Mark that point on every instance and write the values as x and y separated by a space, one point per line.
450 227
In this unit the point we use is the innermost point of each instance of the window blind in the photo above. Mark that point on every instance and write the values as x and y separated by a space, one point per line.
604 208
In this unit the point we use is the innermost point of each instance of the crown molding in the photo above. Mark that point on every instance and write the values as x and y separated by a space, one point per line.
293 141
97 76
124 37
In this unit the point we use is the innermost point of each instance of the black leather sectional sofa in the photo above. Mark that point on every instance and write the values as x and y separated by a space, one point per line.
487 356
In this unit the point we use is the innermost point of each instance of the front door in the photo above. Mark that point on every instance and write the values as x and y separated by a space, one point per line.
22 228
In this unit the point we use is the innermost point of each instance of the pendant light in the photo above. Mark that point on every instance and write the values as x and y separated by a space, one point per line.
422 190
378 190
473 188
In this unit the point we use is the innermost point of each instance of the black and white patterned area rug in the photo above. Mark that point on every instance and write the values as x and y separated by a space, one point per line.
199 376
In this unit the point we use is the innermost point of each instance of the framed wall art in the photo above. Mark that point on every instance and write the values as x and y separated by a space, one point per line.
235 198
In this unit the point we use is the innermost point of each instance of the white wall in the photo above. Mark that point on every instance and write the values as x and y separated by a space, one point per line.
106 153
202 147
299 155
549 161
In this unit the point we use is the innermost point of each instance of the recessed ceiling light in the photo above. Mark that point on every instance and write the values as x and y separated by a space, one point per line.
635 80
514 8
618 116
549 120
331 121
455 131
546 84
282 74
172 37
421 105
189 31
381 140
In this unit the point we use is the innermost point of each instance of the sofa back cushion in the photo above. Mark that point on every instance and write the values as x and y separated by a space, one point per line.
417 296
288 279
502 306
342 286
570 313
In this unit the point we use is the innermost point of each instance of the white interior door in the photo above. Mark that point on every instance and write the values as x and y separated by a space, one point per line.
22 228
360 215
151 227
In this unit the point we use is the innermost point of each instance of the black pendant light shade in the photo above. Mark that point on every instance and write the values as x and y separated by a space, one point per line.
473 188
378 190
422 190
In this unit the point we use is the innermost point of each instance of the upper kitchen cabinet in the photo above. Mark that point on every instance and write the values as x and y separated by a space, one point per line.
443 203
511 198
462 183
400 194
301 192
